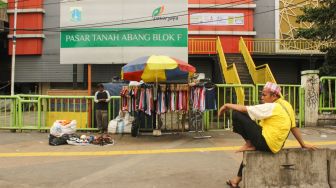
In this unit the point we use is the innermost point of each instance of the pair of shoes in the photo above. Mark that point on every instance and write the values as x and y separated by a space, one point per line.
229 183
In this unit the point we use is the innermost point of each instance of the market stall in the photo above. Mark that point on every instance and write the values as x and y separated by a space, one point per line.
165 93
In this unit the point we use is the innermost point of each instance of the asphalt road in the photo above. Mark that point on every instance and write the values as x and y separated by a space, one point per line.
179 160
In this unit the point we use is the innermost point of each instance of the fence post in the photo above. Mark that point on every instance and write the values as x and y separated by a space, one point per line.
20 113
301 107
310 84
39 103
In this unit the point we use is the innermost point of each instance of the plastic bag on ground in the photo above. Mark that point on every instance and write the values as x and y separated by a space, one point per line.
56 141
121 124
61 127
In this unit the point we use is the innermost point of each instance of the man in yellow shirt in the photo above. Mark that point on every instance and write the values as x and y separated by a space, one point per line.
276 120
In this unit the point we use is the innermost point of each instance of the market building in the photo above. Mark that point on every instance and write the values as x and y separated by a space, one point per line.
59 42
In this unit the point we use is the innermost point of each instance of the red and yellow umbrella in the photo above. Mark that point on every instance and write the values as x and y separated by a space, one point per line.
157 69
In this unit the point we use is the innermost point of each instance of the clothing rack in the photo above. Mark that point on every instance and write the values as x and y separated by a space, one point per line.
203 99
164 101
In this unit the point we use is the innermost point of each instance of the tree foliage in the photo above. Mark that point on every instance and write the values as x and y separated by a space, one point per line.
323 18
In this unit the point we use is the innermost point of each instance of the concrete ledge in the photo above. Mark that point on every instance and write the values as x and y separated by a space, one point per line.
332 168
327 116
310 72
326 119
289 168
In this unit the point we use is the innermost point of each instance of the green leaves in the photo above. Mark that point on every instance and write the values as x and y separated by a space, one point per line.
323 18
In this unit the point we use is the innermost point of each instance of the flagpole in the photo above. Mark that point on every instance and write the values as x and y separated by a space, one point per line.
14 48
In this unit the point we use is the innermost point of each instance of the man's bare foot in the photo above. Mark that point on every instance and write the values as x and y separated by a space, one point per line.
246 147
234 182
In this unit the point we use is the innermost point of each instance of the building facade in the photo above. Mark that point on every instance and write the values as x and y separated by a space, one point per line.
38 52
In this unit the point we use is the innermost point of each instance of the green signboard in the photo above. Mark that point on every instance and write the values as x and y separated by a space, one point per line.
124 37
119 31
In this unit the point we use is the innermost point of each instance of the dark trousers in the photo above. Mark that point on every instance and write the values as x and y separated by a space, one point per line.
102 120
249 130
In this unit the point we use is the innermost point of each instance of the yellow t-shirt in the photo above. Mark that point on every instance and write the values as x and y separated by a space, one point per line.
275 122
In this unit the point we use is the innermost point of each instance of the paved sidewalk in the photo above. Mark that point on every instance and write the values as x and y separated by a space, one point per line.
179 160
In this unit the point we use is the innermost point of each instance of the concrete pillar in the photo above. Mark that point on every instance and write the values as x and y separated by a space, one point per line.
310 83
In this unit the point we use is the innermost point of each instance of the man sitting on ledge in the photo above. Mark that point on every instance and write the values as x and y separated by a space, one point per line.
276 120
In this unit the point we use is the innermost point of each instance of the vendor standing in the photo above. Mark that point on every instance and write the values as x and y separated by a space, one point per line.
101 98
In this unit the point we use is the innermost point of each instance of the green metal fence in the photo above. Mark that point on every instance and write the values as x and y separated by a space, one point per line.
67 107
29 111
114 107
39 111
226 94
9 117
327 101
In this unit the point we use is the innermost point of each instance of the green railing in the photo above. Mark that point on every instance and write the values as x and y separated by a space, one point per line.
226 93
327 99
67 107
39 112
29 111
294 94
9 117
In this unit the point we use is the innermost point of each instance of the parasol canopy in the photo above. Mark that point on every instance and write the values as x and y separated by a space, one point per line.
157 69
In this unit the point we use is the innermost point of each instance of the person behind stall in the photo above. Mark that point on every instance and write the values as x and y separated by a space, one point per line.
116 79
276 120
101 98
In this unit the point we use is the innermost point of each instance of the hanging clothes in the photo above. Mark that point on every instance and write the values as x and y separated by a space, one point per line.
123 94
210 99
203 97
169 98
